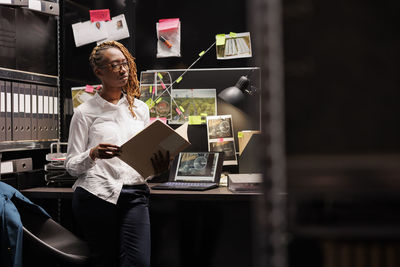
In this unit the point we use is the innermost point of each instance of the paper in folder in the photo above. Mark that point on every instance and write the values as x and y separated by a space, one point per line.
138 151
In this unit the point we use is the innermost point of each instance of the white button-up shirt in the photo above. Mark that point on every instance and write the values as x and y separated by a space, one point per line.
99 121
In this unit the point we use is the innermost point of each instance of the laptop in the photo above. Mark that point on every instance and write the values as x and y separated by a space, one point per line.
196 171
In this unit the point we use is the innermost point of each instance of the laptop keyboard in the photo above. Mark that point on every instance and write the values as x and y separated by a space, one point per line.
184 186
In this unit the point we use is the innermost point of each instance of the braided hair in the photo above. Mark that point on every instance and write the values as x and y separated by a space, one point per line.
131 89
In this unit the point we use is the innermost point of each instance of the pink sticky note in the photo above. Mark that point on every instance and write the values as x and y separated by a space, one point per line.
163 85
179 111
89 88
99 15
164 120
98 87
220 140
168 24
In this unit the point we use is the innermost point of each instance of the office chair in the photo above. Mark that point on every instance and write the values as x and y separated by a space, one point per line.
48 240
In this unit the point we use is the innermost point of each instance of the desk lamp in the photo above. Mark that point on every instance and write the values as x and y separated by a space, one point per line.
236 95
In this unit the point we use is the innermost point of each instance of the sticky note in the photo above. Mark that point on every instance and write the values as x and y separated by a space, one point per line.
232 34
240 134
99 15
98 87
203 114
195 120
168 24
163 85
159 75
202 53
179 79
220 39
182 108
151 89
150 103
179 112
220 140
89 88
158 100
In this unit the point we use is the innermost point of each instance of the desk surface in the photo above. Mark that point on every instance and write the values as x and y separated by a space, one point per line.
213 194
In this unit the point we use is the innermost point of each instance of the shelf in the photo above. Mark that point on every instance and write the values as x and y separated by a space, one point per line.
25 145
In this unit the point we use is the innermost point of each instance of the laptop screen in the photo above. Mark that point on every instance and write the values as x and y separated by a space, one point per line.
196 167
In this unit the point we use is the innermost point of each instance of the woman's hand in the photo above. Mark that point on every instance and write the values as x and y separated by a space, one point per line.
105 151
160 162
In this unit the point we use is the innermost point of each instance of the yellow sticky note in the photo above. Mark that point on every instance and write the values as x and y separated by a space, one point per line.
150 89
202 53
203 114
240 134
220 39
232 34
159 75
182 108
195 120
179 79
150 103
158 100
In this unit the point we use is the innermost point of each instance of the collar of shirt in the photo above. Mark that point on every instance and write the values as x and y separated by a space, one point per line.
103 102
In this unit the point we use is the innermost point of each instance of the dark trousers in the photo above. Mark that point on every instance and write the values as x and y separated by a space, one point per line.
116 234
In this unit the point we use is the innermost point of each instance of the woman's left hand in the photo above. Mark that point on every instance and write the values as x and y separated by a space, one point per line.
160 162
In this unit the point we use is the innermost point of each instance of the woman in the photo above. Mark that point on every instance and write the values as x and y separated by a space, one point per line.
110 201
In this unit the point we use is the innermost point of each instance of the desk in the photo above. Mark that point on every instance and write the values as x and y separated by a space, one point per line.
188 228
219 193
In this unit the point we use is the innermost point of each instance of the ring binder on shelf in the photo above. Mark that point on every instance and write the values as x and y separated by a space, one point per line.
28 112
2 111
9 124
34 112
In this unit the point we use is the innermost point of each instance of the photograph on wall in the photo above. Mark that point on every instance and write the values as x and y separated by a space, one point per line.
226 146
193 103
155 93
233 45
219 127
220 137
116 28
88 32
82 94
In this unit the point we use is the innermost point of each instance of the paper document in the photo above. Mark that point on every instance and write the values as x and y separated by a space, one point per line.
138 151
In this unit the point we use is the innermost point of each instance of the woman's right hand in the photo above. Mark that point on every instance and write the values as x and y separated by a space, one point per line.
105 151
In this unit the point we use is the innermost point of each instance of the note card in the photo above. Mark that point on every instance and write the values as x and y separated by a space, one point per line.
99 15
168 24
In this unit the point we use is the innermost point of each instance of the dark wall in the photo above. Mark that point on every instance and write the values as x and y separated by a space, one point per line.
341 76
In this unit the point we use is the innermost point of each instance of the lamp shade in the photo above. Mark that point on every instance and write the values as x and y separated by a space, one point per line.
235 95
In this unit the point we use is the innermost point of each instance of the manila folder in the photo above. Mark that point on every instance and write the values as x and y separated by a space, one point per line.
138 151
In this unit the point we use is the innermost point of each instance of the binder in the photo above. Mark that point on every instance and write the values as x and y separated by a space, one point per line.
28 112
15 112
2 111
41 133
34 112
55 112
9 125
46 117
22 115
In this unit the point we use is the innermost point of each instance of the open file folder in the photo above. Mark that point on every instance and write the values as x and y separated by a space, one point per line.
138 151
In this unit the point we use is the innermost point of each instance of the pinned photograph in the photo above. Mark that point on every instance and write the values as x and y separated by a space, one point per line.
228 147
82 94
116 28
193 103
220 137
233 45
88 32
220 127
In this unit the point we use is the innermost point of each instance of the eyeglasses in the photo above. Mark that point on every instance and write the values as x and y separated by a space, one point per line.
116 67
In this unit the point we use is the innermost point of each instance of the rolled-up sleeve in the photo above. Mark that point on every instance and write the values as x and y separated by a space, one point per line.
78 160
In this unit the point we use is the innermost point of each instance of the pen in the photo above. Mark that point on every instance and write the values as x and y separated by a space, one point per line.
165 41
